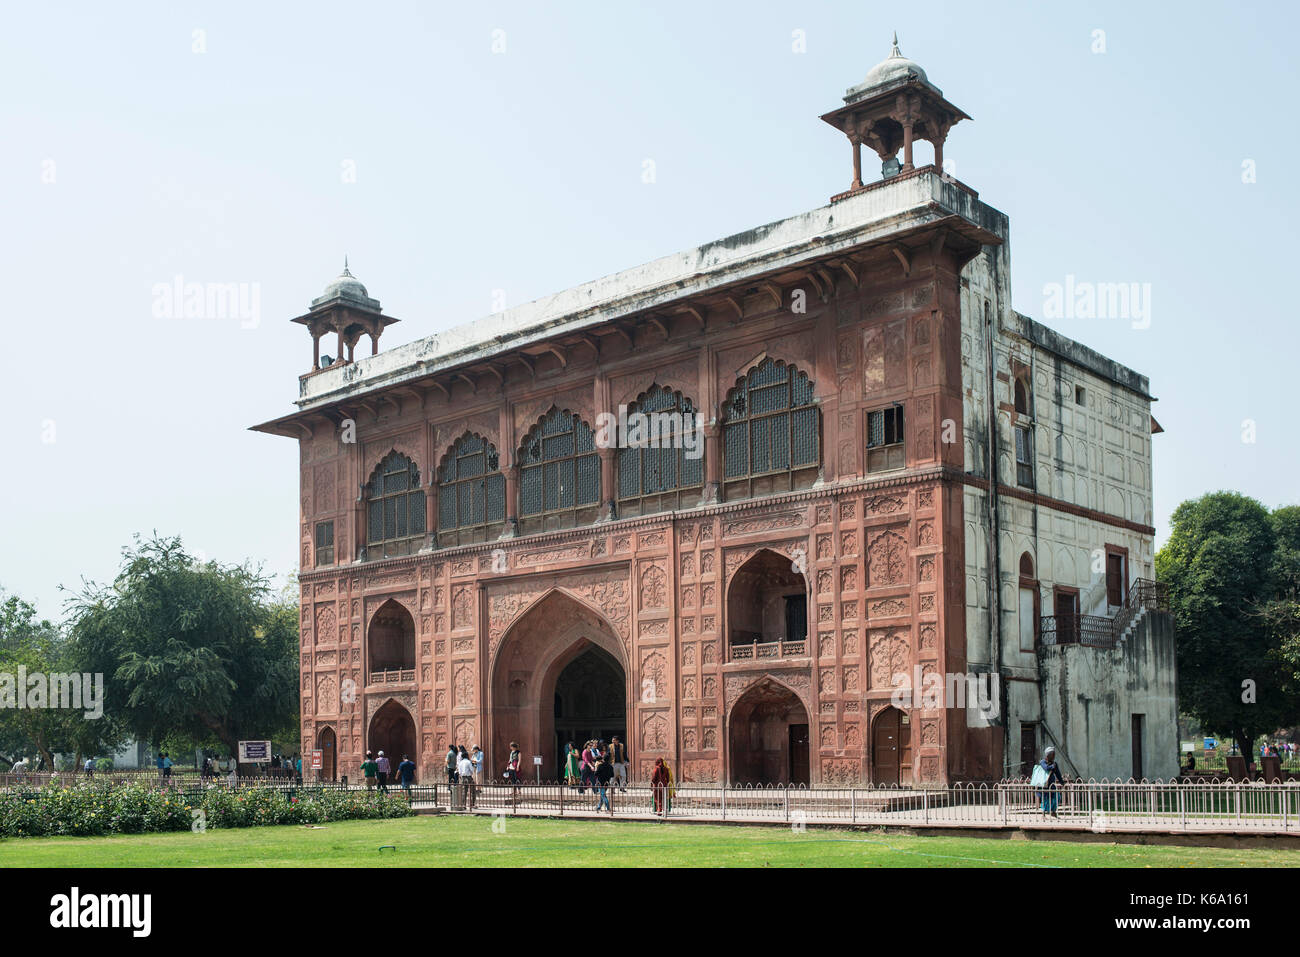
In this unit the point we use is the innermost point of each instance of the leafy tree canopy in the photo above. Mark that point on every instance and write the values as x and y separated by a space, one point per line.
1229 563
192 650
42 648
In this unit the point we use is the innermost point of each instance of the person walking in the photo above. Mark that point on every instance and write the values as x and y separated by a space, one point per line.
297 768
604 774
369 768
661 788
588 767
1046 777
476 759
453 753
512 765
618 758
382 768
406 775
465 768
166 765
90 767
572 765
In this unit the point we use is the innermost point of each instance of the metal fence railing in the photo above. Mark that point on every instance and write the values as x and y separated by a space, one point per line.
1237 806
1099 805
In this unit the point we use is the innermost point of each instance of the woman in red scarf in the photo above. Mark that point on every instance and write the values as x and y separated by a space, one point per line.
661 782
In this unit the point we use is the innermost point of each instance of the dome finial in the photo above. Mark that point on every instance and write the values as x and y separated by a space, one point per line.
896 51
345 266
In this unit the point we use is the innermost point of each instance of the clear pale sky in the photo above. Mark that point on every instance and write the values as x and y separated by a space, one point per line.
129 159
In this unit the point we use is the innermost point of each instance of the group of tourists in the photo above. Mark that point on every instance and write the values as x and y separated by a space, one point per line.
1285 750
596 766
604 767
375 772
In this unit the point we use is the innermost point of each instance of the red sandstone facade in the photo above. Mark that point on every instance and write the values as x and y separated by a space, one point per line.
494 624
750 629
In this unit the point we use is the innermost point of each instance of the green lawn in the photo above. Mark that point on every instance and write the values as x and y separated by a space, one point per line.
526 842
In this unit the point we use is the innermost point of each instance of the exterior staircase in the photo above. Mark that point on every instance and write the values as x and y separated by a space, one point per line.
1096 631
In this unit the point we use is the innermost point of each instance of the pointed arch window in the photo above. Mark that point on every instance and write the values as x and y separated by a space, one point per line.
471 493
559 474
661 455
771 432
1024 434
395 521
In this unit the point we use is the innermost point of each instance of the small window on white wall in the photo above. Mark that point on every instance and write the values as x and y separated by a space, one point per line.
1023 435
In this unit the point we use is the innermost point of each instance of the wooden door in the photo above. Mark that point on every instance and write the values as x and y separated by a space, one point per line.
1137 747
1028 748
1115 579
799 754
1066 611
885 750
328 755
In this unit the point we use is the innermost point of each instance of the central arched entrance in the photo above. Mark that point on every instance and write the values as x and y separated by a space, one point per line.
769 736
392 731
589 701
560 675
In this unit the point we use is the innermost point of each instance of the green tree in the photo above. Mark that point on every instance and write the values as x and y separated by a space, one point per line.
191 649
40 646
1221 566
1282 613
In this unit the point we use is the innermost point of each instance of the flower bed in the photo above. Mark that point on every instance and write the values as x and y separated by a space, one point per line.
92 809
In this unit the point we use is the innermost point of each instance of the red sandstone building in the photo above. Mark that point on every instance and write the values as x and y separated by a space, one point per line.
476 568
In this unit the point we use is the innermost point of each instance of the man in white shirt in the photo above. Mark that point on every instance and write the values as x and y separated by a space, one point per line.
618 758
465 768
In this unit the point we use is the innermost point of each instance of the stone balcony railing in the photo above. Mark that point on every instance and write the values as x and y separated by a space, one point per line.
391 677
767 649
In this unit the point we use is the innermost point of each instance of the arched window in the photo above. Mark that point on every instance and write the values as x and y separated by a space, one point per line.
1026 566
771 432
394 508
1024 435
1022 396
661 455
471 493
559 474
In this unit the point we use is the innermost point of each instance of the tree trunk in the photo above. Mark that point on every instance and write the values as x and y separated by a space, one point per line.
1246 745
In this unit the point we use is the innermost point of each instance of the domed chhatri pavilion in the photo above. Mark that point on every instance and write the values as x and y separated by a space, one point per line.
345 309
883 481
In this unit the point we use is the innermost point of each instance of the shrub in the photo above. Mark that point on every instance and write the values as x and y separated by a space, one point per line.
103 808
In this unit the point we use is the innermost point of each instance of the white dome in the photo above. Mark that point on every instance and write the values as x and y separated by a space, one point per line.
892 68
348 287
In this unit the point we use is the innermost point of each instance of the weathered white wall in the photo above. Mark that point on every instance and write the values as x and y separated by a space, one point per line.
1091 694
1094 456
